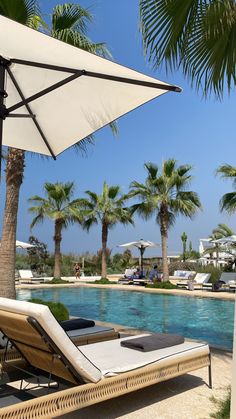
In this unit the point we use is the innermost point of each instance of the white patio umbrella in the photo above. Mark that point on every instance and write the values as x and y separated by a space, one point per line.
226 240
23 245
142 246
53 94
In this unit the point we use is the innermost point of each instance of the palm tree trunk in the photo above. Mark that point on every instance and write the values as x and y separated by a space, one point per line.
57 240
14 178
104 250
164 239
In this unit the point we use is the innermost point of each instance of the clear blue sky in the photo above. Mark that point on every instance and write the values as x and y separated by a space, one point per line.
183 126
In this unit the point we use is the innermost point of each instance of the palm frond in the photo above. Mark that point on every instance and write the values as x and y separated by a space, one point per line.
200 40
113 191
22 11
228 202
226 171
222 230
152 169
71 16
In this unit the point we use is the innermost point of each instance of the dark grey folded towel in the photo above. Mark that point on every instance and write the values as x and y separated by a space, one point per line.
153 342
74 324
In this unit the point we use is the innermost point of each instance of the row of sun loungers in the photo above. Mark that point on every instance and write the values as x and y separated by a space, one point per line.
200 281
85 374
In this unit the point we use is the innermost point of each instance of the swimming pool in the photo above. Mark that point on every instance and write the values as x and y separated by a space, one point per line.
205 319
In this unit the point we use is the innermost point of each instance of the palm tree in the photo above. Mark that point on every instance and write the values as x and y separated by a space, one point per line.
106 209
59 207
69 24
228 201
198 36
164 194
184 238
24 12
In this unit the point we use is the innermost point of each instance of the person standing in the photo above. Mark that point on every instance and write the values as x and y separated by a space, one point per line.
77 271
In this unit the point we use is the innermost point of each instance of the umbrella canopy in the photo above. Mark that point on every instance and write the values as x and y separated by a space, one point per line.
23 245
226 240
141 245
53 94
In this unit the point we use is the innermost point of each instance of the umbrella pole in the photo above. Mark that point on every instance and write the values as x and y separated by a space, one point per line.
141 253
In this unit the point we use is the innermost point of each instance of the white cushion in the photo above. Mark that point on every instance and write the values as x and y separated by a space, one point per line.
112 358
201 278
25 273
44 316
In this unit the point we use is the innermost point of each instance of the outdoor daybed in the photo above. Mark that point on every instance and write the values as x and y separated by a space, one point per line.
92 373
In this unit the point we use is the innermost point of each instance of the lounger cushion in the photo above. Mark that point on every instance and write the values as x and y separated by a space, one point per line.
152 342
79 323
112 358
43 315
89 331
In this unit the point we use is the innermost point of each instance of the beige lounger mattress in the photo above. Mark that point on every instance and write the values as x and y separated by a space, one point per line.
111 358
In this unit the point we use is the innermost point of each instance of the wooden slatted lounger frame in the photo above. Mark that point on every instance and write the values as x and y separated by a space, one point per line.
38 348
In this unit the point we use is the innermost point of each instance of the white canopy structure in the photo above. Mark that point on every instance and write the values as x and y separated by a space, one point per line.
53 94
141 245
226 240
23 245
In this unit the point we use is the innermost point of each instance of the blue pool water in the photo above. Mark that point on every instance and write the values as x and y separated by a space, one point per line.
205 319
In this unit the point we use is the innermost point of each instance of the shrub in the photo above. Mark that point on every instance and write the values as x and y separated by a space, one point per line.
58 281
162 285
58 310
104 281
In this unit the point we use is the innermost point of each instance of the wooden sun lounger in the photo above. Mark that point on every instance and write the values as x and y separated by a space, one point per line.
79 337
95 372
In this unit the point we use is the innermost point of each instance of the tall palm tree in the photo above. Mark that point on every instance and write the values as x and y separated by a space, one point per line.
164 194
59 207
69 24
23 12
106 209
197 36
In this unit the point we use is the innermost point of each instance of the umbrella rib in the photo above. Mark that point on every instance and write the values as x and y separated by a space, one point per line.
161 86
45 91
19 115
31 113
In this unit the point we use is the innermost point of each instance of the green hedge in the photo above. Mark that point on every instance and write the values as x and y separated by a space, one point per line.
58 281
59 311
162 285
104 281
